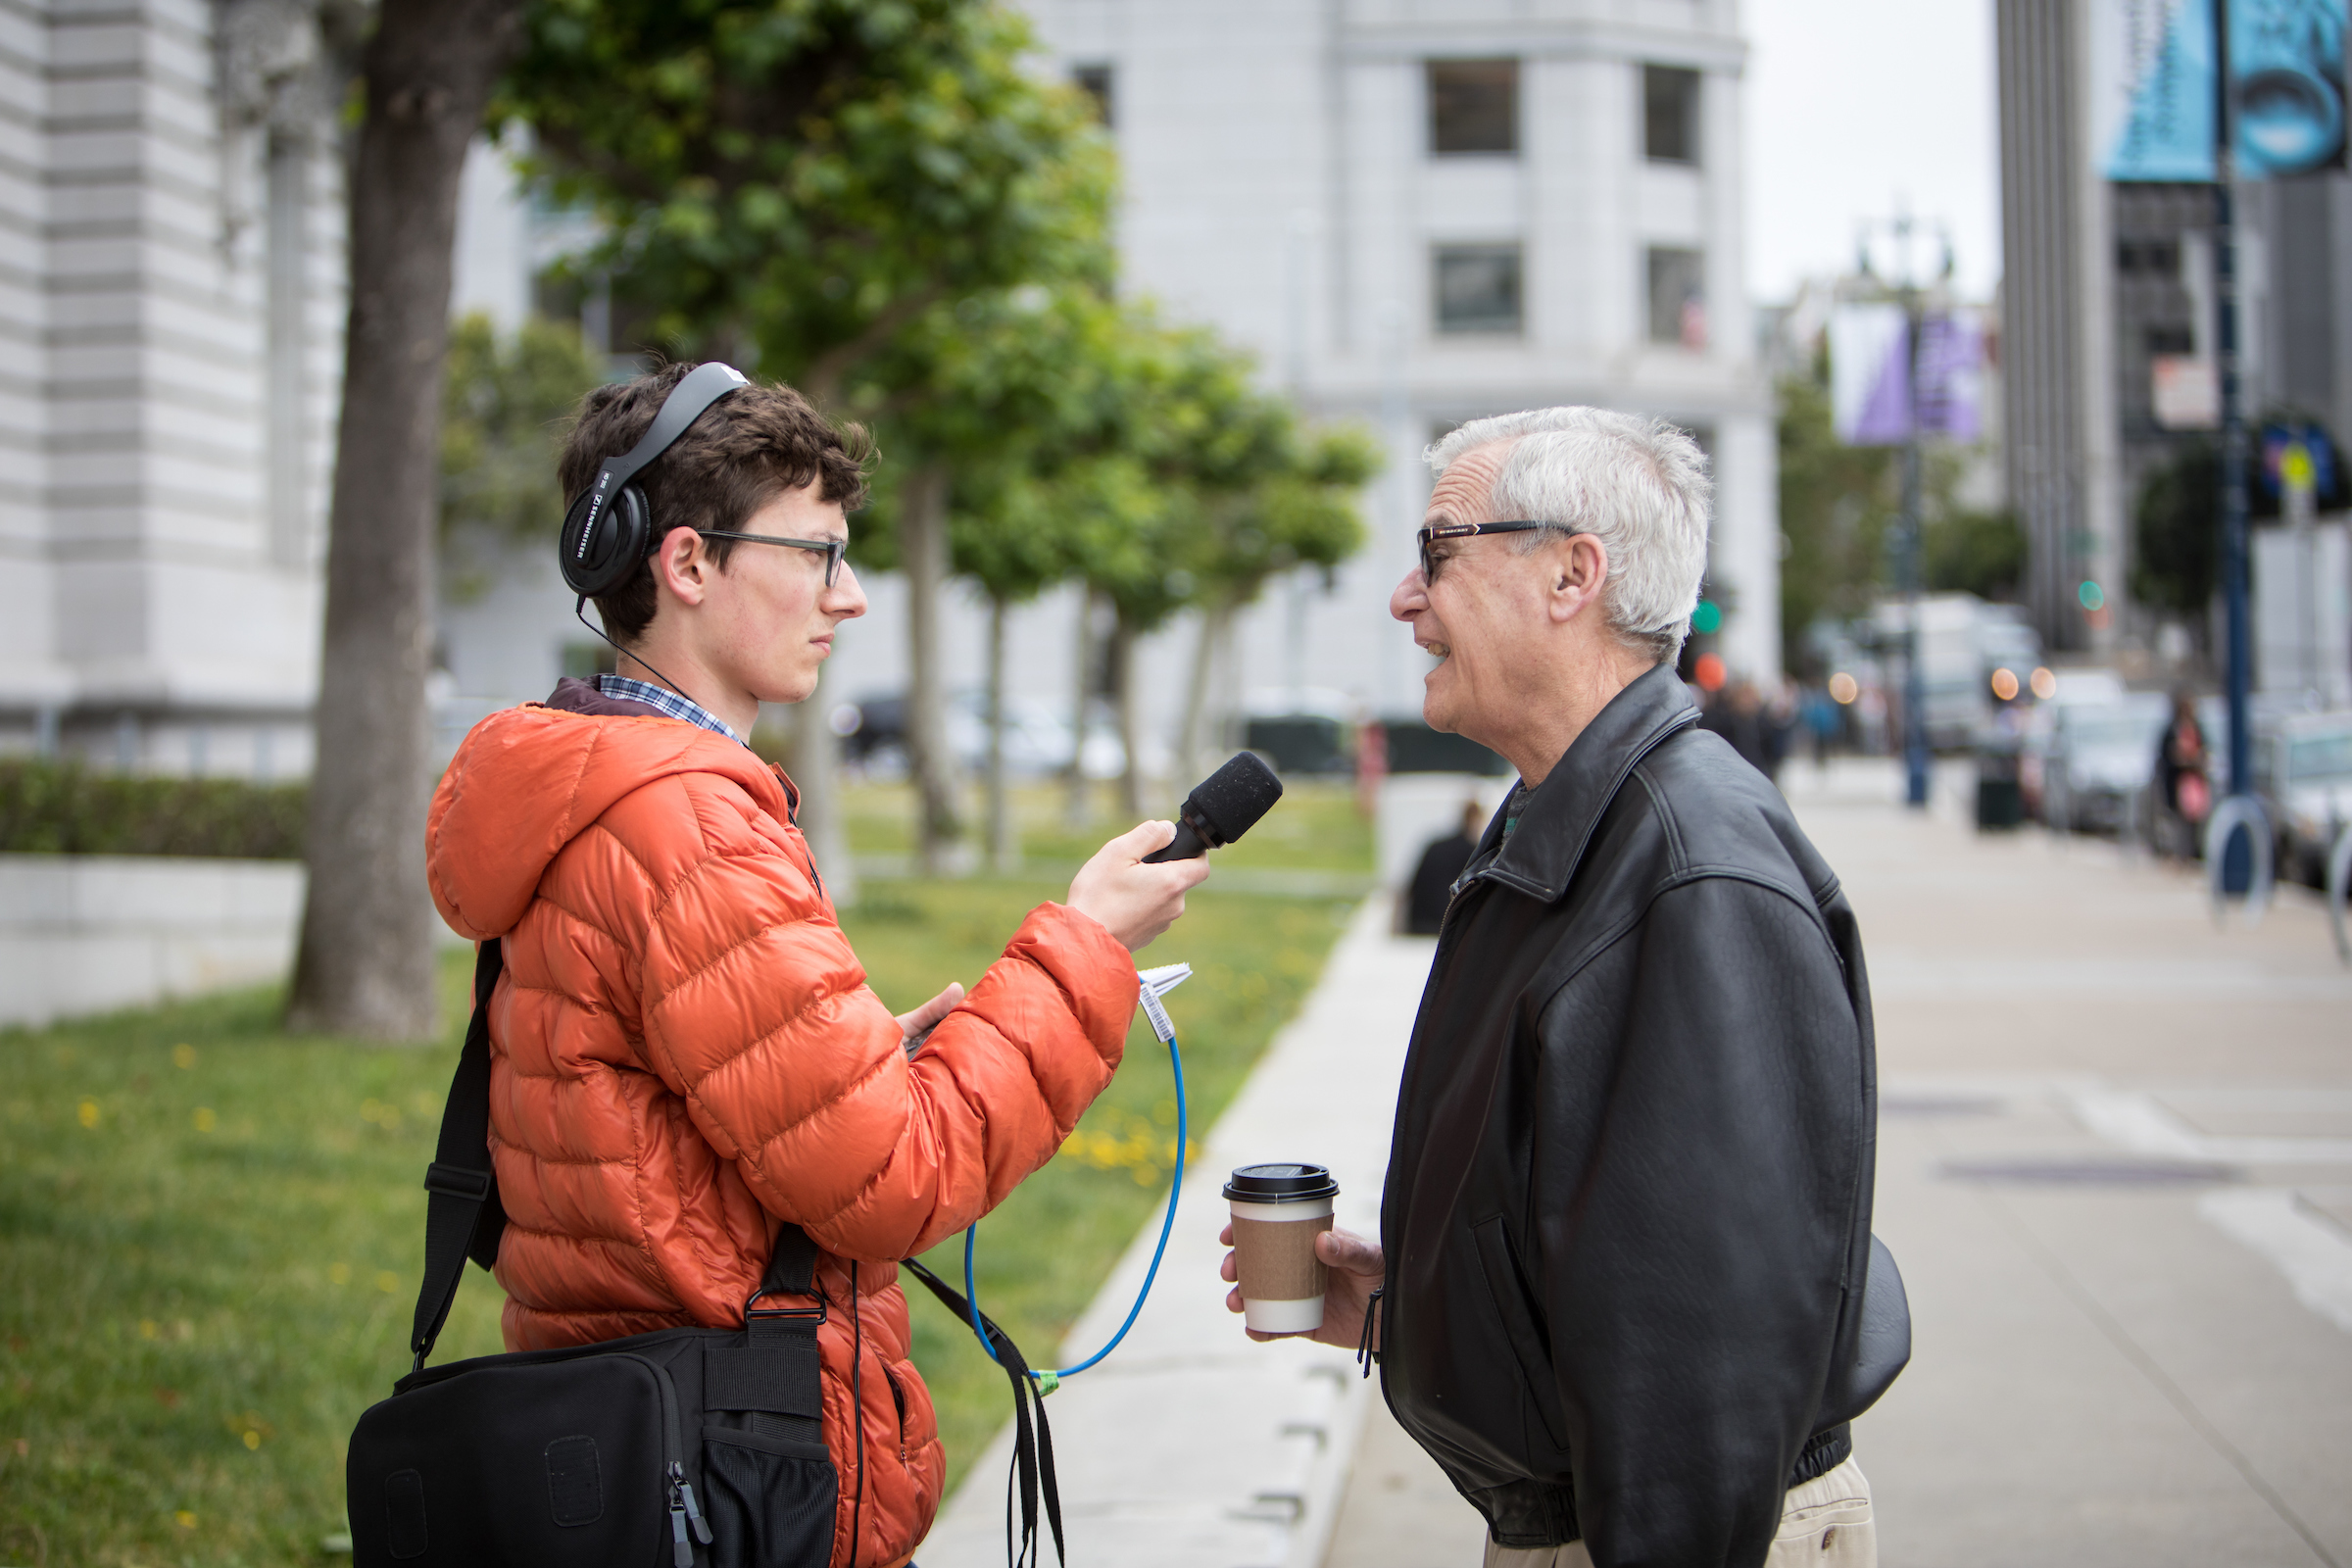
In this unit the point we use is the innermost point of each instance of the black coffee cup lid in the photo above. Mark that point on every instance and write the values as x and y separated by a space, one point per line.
1280 1184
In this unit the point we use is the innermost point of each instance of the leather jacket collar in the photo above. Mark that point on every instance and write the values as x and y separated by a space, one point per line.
1541 854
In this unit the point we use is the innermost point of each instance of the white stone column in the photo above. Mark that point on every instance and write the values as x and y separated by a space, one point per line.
1747 543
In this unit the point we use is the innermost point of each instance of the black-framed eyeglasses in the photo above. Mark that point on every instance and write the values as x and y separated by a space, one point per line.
831 549
1432 532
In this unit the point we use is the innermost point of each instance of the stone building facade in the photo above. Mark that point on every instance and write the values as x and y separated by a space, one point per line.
171 296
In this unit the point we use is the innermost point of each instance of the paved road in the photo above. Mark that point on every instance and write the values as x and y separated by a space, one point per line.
2116 1166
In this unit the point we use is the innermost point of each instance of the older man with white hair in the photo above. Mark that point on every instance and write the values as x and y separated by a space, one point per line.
1625 1239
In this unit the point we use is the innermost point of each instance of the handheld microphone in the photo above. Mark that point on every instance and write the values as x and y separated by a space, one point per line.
1221 809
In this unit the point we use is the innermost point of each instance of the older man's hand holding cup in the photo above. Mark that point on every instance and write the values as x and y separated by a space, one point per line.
1292 1274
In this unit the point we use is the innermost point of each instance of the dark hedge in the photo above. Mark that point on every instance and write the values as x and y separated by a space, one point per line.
65 809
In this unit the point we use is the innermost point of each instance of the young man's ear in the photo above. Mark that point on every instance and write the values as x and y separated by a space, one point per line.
681 566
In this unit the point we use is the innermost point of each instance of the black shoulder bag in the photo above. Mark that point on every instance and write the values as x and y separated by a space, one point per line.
681 1448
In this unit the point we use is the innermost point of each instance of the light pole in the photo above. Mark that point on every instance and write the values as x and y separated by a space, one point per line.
2234 412
1915 685
1910 294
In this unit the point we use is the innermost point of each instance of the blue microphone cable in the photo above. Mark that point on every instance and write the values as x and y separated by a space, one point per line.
1156 984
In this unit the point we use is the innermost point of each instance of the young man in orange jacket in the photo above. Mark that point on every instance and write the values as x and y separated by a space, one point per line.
684 1051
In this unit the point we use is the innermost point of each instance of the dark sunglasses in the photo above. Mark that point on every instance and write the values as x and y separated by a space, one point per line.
831 549
1463 530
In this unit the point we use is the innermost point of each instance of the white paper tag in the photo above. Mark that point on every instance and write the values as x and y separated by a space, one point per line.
1156 984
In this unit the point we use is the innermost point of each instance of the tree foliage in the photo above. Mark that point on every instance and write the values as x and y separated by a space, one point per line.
1839 508
802 178
2177 532
1841 514
1981 553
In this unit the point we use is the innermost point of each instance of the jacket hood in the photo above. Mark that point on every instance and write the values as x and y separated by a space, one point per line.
527 780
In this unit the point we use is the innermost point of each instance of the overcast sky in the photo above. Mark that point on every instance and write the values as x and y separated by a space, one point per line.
1853 106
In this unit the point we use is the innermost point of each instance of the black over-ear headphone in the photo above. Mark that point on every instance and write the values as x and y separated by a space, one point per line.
609 528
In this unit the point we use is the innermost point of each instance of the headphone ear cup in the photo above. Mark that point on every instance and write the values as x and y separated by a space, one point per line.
603 560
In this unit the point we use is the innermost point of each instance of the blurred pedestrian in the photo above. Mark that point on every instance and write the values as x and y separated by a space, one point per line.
1618 1288
1441 862
1738 716
2181 777
1823 720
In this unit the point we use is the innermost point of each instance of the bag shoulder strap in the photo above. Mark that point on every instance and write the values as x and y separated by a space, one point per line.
463 1217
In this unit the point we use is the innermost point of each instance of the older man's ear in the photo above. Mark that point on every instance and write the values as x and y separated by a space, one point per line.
1584 571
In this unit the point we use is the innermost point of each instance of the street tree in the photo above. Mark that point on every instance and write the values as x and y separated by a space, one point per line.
1002 399
1222 490
1296 512
793 183
364 962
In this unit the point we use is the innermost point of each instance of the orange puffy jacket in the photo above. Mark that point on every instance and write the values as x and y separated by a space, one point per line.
684 1052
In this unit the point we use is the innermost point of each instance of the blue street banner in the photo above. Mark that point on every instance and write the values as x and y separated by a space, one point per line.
2152 69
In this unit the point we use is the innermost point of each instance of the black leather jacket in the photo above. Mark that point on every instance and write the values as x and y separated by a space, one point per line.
1627 1216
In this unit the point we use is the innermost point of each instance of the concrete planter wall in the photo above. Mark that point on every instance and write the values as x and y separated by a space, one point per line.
82 933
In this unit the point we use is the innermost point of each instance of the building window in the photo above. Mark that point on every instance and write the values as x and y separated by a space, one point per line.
2149 258
1678 297
1095 81
1473 106
1477 288
1669 114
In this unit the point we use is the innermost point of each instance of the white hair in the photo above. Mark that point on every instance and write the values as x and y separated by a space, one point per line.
1638 485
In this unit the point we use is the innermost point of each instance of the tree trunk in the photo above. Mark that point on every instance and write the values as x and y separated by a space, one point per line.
364 964
1201 732
813 762
1122 666
1082 800
923 557
1003 844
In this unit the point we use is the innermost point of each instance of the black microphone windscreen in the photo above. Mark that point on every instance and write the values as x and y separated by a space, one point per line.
1231 800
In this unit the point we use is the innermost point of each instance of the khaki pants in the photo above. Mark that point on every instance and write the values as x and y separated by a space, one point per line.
1826 1523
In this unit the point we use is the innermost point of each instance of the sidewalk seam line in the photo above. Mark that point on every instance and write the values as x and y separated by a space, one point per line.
2121 1338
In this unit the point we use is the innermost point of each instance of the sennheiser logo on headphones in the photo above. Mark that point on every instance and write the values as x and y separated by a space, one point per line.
596 505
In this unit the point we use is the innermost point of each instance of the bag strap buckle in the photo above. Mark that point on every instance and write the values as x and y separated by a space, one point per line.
781 1314
456 1181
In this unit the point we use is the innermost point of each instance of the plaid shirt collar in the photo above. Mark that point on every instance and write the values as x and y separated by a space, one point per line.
668 702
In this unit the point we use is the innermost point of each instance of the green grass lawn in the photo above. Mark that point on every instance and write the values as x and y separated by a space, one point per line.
210 1230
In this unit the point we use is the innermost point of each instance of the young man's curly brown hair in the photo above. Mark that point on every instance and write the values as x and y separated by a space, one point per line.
748 448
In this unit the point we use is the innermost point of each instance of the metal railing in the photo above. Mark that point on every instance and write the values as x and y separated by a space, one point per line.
2340 891
2240 812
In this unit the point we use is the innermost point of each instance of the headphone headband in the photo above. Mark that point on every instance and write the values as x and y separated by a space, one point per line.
608 530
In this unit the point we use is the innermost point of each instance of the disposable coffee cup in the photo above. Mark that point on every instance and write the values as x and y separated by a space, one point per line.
1278 1211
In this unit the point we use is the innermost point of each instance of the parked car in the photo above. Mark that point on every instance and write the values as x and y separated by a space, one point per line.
1038 739
2099 755
2039 726
2303 772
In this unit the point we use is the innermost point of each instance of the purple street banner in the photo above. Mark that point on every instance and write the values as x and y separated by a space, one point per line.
1870 382
1872 378
1951 377
2152 69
